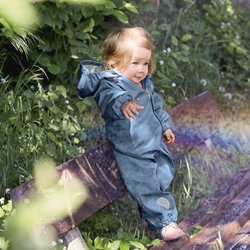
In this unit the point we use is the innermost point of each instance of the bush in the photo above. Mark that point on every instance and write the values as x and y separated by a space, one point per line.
201 46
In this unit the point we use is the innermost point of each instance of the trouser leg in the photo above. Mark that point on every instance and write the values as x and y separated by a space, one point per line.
148 180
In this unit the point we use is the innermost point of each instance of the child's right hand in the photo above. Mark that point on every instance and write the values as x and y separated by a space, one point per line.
129 109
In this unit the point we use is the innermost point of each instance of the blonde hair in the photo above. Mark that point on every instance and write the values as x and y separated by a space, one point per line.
116 48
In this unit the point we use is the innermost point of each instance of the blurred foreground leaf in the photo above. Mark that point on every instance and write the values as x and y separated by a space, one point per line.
18 14
54 198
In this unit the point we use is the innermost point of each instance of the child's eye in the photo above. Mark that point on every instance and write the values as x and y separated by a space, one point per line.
135 63
146 63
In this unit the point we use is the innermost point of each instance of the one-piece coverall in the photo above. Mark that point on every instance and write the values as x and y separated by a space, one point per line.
144 161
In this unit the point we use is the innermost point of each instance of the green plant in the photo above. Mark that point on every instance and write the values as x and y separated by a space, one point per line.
125 241
201 45
72 32
18 21
33 125
5 211
230 38
118 226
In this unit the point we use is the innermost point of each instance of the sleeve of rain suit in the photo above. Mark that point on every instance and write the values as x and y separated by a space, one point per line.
110 98
87 83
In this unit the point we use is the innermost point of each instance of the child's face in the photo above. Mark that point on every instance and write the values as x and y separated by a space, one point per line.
137 68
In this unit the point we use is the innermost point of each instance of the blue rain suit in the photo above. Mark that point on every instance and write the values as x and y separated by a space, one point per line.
144 161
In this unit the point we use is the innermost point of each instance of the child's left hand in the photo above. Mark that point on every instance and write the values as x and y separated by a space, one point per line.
169 136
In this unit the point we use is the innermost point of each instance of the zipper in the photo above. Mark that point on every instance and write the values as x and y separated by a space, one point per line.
152 105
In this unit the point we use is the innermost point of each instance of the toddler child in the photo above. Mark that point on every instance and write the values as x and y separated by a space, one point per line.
136 124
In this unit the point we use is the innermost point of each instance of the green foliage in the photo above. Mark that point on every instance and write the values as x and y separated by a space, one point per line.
34 122
72 32
123 242
17 17
201 45
5 211
118 226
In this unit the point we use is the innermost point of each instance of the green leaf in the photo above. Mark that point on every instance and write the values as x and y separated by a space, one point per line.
100 242
185 47
124 245
131 7
89 25
52 96
20 31
54 127
49 21
3 243
156 242
51 149
69 33
180 57
114 245
63 15
8 207
2 213
120 16
172 63
110 5
69 128
62 90
52 137
137 245
76 140
28 93
174 41
161 75
163 27
44 61
171 100
55 110
54 69
186 37
5 23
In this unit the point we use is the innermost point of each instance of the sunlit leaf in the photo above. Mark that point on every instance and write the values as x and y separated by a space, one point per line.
4 23
62 90
156 242
54 69
120 16
44 61
186 37
131 7
174 41
45 175
18 13
137 245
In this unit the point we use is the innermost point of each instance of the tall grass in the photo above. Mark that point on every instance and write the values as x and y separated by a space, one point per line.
33 125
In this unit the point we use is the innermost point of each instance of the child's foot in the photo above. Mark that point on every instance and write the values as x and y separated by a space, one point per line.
171 232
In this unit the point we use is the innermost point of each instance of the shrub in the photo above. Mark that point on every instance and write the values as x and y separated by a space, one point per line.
201 46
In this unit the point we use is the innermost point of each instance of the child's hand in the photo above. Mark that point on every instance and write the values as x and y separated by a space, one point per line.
169 136
129 109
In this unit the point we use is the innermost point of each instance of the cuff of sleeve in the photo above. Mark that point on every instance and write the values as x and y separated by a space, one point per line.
118 104
166 126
